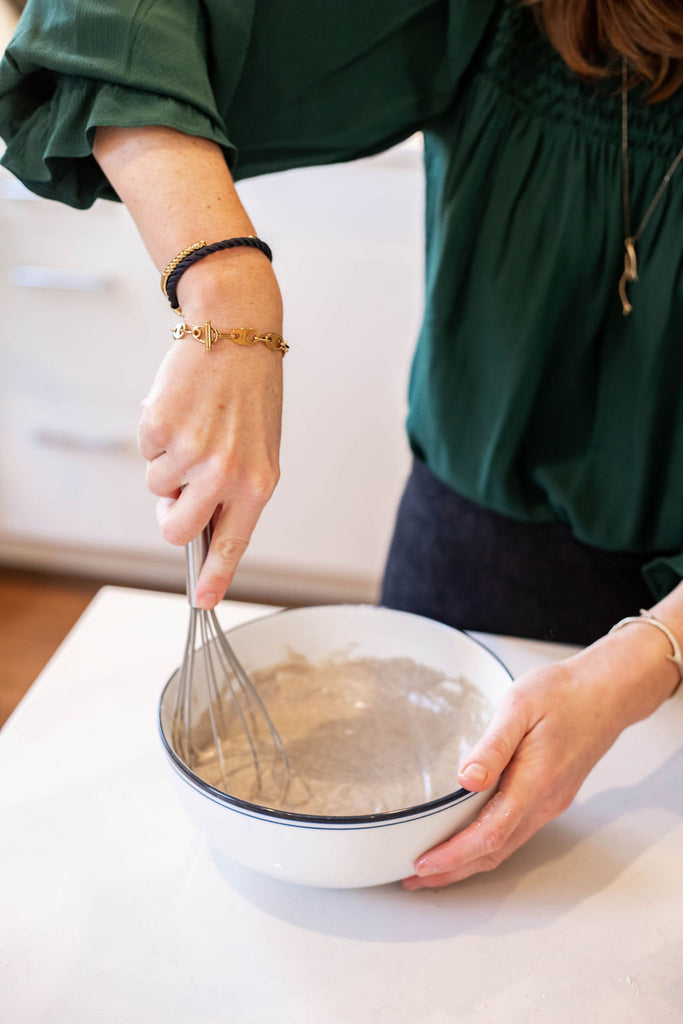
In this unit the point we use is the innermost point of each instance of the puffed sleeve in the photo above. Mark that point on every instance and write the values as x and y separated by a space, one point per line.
75 64
275 83
324 82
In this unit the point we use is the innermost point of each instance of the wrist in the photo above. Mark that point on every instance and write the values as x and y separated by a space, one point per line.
637 673
236 284
192 254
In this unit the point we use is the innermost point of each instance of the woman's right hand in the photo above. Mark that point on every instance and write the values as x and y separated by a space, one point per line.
210 425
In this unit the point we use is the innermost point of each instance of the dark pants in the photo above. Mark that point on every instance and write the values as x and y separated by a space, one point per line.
473 569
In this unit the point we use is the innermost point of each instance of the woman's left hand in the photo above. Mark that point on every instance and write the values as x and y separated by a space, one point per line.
545 737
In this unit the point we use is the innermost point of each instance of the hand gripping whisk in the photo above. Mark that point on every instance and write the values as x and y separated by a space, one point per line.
220 724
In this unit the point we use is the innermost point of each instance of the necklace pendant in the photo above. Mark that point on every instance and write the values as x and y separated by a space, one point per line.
630 274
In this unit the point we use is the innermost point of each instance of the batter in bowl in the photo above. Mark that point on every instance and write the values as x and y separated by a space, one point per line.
362 735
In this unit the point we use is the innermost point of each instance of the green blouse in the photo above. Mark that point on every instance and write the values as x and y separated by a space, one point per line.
530 392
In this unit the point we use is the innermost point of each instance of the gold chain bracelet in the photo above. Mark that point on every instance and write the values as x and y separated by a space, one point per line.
207 334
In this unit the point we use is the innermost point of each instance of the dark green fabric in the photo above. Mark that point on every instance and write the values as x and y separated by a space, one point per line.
297 81
530 392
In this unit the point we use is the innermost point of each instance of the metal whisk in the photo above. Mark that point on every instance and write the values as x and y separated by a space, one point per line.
213 685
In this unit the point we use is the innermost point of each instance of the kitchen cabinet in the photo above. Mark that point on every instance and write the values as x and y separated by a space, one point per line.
85 326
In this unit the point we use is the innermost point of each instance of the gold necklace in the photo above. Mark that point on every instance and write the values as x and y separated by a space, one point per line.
630 265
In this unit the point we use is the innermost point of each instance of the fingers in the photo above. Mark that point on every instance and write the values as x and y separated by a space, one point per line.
515 749
183 511
485 843
210 430
487 760
230 538
231 535
184 514
544 739
162 476
505 824
488 848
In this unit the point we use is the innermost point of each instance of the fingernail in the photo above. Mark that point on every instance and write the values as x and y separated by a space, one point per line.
424 868
473 773
208 601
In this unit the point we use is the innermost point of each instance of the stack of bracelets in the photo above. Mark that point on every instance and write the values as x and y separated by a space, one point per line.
207 334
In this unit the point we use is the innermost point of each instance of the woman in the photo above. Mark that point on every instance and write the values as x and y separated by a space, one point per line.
545 415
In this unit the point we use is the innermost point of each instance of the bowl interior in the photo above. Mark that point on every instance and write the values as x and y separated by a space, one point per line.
337 633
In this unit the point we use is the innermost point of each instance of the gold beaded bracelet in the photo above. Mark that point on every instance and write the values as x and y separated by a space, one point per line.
170 267
207 334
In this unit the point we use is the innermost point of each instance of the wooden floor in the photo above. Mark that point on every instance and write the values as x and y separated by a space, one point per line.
37 610
36 613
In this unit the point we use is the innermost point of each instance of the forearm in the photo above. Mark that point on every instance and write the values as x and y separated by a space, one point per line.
178 190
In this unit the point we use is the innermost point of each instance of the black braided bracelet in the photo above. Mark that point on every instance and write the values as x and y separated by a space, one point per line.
169 281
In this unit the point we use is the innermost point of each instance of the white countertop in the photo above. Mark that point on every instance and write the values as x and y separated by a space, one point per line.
113 911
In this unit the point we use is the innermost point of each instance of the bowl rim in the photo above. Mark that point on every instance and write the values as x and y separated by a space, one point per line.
295 817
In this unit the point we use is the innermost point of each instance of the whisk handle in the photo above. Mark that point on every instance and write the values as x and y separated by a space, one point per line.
195 556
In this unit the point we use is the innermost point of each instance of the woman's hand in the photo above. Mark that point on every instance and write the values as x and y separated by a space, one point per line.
545 737
210 426
210 430
542 742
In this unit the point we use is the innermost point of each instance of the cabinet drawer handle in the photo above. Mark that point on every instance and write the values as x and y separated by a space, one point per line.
92 444
62 279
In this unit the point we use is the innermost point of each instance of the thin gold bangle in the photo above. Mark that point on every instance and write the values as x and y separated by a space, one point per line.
648 619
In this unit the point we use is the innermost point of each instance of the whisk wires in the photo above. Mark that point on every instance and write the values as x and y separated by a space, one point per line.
213 684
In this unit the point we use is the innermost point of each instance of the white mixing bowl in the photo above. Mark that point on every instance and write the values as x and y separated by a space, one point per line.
337 852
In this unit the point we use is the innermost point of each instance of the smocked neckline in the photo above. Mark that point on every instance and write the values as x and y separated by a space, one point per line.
528 70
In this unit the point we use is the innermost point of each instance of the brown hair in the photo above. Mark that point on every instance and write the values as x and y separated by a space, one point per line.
593 36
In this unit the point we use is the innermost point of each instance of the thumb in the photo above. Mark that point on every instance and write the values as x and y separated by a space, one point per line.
486 761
